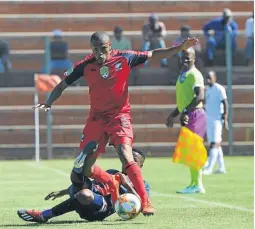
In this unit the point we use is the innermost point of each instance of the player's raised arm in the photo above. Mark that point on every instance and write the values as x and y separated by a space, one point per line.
158 54
72 75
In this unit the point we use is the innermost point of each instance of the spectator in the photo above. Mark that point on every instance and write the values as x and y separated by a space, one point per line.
215 34
5 64
59 53
249 33
153 36
185 33
119 41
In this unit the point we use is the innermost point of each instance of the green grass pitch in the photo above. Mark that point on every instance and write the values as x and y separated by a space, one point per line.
228 202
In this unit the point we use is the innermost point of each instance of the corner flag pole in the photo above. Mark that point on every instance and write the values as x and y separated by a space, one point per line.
37 131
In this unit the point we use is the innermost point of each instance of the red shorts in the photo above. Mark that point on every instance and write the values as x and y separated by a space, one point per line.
117 130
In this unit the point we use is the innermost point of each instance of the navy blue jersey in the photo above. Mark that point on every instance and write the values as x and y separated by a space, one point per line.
105 208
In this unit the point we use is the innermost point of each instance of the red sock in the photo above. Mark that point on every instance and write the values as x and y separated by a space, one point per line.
100 175
135 175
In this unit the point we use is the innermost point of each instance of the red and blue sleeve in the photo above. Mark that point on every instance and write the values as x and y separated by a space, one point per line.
75 73
135 58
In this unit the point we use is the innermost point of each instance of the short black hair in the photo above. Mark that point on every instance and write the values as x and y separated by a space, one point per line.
100 36
139 151
117 29
185 28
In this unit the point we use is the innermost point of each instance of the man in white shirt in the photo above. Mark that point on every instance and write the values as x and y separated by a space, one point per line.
249 33
217 115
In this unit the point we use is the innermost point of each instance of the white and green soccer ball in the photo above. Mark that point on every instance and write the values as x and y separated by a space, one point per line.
128 206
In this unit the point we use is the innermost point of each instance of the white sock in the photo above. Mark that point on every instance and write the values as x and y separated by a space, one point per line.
220 159
213 153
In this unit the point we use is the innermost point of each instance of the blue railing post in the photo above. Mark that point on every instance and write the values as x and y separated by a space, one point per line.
228 32
49 114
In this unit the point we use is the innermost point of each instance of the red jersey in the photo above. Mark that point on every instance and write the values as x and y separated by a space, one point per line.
108 83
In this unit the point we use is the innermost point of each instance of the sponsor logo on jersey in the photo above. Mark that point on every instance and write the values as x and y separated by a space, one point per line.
68 72
118 66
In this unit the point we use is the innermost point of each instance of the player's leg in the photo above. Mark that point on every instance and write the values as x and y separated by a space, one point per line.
220 158
38 216
121 133
85 162
134 173
214 129
94 171
197 124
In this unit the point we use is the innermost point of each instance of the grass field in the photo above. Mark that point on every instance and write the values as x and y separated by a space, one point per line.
228 202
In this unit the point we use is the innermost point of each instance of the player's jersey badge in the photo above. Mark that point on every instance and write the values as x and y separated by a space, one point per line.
104 71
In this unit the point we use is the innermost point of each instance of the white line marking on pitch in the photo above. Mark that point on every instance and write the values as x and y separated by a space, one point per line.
209 203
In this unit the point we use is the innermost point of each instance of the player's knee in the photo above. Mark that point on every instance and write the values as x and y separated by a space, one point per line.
85 196
89 148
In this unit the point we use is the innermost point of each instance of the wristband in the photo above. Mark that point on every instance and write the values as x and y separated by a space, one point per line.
185 111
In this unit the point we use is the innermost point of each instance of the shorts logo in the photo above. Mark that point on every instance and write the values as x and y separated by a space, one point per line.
68 72
118 66
82 137
124 122
104 71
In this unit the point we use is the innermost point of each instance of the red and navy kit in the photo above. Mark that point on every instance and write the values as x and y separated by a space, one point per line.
109 99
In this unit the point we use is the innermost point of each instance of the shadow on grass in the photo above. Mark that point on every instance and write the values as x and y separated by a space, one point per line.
62 222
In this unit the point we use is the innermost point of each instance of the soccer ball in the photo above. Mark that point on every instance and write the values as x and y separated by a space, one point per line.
128 206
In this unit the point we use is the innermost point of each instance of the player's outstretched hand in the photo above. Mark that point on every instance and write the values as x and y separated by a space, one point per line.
53 195
189 42
44 106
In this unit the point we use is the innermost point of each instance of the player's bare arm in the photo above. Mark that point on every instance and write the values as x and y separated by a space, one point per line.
72 75
54 95
158 54
200 96
225 113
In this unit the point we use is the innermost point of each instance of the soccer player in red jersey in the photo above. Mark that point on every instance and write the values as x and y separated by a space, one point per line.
106 72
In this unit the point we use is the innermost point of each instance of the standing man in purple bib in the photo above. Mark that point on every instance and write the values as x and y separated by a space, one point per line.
189 100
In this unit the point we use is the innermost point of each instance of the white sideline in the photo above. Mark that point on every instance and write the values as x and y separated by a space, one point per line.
206 202
210 203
